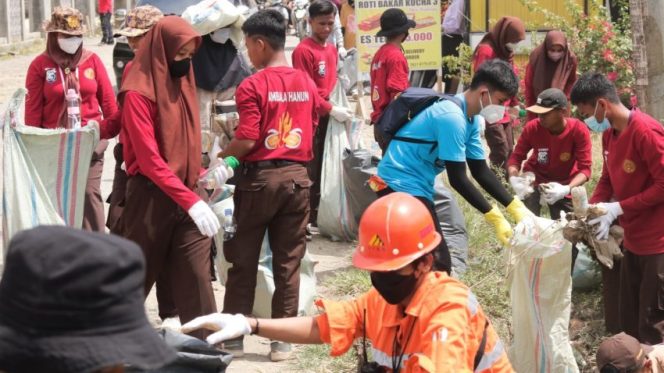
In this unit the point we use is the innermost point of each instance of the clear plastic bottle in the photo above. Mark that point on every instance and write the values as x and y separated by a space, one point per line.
226 166
73 109
229 225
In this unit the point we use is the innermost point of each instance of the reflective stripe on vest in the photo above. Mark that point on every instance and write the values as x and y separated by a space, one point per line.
491 357
386 360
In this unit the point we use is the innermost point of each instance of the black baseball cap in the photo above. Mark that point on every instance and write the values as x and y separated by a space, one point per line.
394 22
549 99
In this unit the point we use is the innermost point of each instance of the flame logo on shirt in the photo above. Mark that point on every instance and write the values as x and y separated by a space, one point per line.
284 135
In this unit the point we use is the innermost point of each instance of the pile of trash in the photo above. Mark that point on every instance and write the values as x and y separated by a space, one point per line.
578 230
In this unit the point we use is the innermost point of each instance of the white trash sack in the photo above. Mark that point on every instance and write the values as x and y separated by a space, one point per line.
264 277
540 292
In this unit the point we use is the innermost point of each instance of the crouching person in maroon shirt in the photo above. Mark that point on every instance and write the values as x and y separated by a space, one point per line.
631 189
278 116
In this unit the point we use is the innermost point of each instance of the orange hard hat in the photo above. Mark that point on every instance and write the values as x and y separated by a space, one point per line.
394 231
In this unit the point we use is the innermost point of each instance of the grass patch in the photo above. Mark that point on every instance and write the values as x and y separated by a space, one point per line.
348 283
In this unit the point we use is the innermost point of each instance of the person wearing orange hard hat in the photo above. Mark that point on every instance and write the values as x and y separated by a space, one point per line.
416 319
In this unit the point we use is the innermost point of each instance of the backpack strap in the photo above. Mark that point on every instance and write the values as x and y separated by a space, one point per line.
480 350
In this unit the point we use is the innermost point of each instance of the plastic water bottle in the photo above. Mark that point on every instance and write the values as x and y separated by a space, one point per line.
226 165
73 109
229 225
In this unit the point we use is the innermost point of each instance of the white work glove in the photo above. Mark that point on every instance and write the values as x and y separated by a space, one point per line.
340 113
206 221
554 192
613 210
343 53
225 326
522 187
221 175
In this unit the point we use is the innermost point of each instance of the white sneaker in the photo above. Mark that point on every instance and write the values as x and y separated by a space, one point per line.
172 323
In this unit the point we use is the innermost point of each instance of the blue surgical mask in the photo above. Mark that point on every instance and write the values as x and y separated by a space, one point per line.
596 126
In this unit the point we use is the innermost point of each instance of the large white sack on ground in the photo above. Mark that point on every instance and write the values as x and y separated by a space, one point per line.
540 292
264 277
44 172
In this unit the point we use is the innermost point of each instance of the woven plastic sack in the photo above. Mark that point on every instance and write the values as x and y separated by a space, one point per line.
44 172
264 277
211 15
335 218
540 292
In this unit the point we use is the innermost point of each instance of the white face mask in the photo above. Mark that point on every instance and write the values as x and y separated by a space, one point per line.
555 56
492 113
70 45
221 35
511 46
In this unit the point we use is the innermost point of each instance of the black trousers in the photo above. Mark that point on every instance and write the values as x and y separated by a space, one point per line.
442 258
106 28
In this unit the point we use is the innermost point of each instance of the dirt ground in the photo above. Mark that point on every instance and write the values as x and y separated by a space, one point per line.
330 256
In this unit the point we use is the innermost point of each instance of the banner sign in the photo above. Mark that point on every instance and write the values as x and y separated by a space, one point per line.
423 46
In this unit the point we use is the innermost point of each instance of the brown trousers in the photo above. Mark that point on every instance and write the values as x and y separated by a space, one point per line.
610 297
315 168
642 297
116 201
276 200
500 139
172 245
93 209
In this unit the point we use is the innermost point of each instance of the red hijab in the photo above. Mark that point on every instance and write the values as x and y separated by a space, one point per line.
68 64
506 30
178 132
547 73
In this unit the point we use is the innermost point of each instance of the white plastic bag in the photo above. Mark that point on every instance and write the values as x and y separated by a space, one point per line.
264 277
211 15
45 172
335 218
540 292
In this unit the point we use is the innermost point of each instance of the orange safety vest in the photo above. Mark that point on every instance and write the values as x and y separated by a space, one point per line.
440 331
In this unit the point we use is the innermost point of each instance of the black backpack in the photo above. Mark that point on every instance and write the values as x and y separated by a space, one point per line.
405 107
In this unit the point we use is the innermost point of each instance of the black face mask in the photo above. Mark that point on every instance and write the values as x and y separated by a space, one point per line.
178 69
393 287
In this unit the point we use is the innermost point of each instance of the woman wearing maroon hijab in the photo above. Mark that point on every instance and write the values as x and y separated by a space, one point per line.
551 65
67 65
501 43
163 212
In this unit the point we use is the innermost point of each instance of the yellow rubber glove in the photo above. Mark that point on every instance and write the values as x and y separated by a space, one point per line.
517 210
500 224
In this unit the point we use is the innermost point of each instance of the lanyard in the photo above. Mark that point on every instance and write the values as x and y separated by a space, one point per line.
396 347
62 79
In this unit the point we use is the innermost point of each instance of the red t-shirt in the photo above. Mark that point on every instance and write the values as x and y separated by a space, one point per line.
389 77
531 98
105 6
46 92
633 174
555 157
320 63
485 52
141 150
278 109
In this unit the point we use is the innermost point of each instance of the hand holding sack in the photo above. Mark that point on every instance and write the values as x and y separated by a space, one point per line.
206 221
522 185
518 210
554 192
225 326
500 225
341 114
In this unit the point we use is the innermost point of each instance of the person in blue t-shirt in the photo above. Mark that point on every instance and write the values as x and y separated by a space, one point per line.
447 137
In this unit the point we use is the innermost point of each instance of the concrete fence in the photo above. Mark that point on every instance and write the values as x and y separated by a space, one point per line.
21 20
